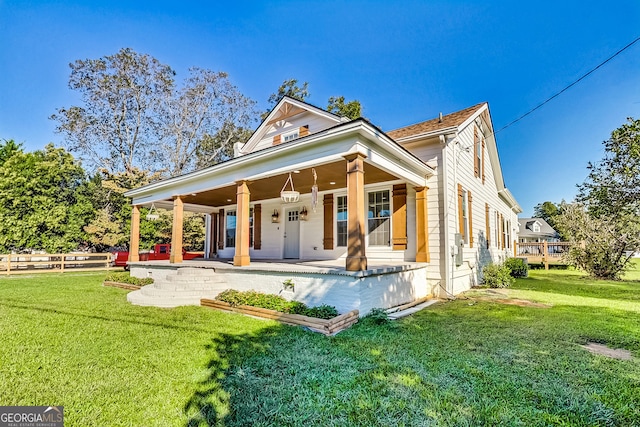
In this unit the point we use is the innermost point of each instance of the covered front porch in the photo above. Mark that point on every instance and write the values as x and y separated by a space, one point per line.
356 200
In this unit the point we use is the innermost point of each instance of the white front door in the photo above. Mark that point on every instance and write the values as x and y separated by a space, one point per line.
291 233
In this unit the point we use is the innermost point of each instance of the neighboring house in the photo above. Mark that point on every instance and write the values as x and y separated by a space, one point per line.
406 213
536 230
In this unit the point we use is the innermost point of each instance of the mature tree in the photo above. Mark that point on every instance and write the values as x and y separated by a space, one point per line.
8 149
291 89
134 116
43 201
118 126
351 109
602 247
219 147
207 107
613 184
549 211
609 224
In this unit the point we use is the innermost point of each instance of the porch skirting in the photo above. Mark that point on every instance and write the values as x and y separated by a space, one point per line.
315 283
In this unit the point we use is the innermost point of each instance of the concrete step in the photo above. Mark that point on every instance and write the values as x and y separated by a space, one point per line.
137 298
163 292
161 284
193 279
409 311
195 271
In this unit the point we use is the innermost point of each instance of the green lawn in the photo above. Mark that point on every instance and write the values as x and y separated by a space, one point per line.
66 340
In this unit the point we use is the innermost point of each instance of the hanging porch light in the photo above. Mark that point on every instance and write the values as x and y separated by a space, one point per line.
152 216
289 196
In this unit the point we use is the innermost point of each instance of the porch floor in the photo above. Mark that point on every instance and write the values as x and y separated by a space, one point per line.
335 266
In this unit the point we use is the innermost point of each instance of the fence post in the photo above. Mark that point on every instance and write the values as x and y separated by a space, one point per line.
546 255
62 258
515 248
8 264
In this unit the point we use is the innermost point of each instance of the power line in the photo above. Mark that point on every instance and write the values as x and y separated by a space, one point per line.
567 87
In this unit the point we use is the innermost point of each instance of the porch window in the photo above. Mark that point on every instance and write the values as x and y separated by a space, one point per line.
341 220
230 226
379 218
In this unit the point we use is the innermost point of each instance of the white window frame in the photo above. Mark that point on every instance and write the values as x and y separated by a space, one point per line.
390 203
346 221
290 136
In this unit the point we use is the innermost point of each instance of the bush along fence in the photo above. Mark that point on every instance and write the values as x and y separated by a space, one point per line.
47 263
324 326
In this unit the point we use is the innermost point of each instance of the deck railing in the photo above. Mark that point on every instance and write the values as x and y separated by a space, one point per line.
542 252
47 263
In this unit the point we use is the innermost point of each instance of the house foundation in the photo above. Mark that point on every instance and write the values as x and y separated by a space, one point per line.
315 282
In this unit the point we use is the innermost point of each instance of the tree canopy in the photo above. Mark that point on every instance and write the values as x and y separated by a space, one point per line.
605 223
351 109
44 203
133 115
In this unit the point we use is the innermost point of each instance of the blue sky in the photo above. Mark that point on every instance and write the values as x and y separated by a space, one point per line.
404 61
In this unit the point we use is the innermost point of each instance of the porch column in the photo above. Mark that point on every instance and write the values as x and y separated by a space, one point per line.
134 240
241 257
356 213
422 229
176 232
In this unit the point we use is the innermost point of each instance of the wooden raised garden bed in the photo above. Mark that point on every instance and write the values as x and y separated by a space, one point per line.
324 326
121 285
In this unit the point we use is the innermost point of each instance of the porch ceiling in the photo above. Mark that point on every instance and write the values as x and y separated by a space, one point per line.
269 188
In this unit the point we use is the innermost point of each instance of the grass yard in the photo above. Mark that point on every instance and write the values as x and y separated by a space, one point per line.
66 340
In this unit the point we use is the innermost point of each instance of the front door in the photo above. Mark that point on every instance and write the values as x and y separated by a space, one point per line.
291 233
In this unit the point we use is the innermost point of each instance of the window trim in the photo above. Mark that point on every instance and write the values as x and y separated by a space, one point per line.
251 227
337 220
389 217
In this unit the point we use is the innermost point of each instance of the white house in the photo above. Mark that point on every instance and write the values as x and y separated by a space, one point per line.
382 218
536 230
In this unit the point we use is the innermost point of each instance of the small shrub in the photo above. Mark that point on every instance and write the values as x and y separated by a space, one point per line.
497 276
378 316
297 307
518 267
323 311
125 277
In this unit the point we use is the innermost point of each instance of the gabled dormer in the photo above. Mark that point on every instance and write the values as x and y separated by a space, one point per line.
289 120
535 227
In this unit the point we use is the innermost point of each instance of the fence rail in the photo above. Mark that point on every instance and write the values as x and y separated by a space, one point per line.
542 252
47 263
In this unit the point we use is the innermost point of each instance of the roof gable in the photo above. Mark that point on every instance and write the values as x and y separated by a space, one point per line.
288 115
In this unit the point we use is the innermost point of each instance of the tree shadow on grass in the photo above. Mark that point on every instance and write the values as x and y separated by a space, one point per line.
211 402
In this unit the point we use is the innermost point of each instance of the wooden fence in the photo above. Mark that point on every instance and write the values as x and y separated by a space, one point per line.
47 263
542 252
